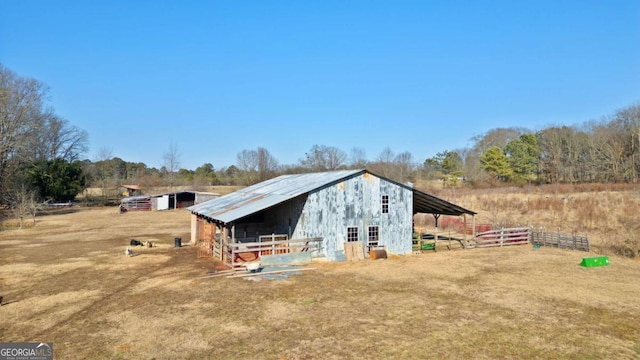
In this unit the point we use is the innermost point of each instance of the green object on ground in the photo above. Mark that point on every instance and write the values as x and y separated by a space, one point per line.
536 246
425 246
428 246
595 261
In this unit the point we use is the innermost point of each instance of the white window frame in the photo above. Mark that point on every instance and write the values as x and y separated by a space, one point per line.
384 200
350 233
372 244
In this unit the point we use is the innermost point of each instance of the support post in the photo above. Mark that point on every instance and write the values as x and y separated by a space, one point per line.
473 231
464 232
225 244
435 239
194 229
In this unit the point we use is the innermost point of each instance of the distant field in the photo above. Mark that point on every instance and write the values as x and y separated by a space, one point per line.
68 282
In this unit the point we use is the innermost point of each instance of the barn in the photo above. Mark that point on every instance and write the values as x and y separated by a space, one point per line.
180 199
319 214
166 201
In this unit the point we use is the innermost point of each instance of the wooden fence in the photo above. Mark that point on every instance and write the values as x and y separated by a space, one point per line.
503 237
562 241
239 253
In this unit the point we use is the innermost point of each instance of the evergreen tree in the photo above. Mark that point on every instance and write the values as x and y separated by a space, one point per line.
495 162
57 180
523 154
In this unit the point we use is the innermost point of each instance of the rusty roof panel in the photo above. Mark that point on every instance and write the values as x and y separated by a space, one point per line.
261 196
266 194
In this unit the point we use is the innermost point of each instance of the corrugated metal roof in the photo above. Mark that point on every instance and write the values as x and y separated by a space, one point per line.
134 198
185 192
266 194
429 204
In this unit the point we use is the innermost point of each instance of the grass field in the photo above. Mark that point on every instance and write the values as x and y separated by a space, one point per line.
67 281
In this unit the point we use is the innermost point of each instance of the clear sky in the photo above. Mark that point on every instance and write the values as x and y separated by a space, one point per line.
218 77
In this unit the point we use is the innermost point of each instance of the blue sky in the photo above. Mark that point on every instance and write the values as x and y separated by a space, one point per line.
217 77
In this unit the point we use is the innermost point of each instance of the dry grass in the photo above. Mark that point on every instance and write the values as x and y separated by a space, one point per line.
73 286
607 214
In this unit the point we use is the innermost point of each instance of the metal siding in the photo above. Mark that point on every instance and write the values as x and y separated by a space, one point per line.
396 227
329 211
162 202
291 209
321 216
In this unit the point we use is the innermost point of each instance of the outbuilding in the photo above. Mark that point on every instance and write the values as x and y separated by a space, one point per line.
180 199
318 213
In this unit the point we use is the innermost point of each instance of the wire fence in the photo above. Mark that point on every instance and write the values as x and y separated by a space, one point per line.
561 241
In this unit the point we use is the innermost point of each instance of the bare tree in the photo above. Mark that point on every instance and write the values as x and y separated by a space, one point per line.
63 140
247 162
384 163
386 156
323 158
404 166
358 158
102 170
23 204
20 120
171 162
256 165
267 164
629 120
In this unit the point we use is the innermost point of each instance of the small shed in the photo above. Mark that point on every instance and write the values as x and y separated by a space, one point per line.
321 213
181 199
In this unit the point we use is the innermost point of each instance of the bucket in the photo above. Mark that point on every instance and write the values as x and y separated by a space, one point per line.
178 242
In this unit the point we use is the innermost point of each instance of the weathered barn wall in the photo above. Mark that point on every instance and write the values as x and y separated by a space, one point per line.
396 227
356 202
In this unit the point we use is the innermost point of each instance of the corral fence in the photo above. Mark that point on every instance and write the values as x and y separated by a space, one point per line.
503 237
459 225
526 235
561 241
136 203
241 252
250 249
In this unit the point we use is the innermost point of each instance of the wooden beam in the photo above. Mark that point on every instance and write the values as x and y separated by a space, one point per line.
268 272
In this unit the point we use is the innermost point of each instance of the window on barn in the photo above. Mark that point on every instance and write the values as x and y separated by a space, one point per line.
373 237
385 204
352 233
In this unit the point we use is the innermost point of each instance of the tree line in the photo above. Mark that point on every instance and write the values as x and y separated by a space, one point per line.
604 151
39 150
42 155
